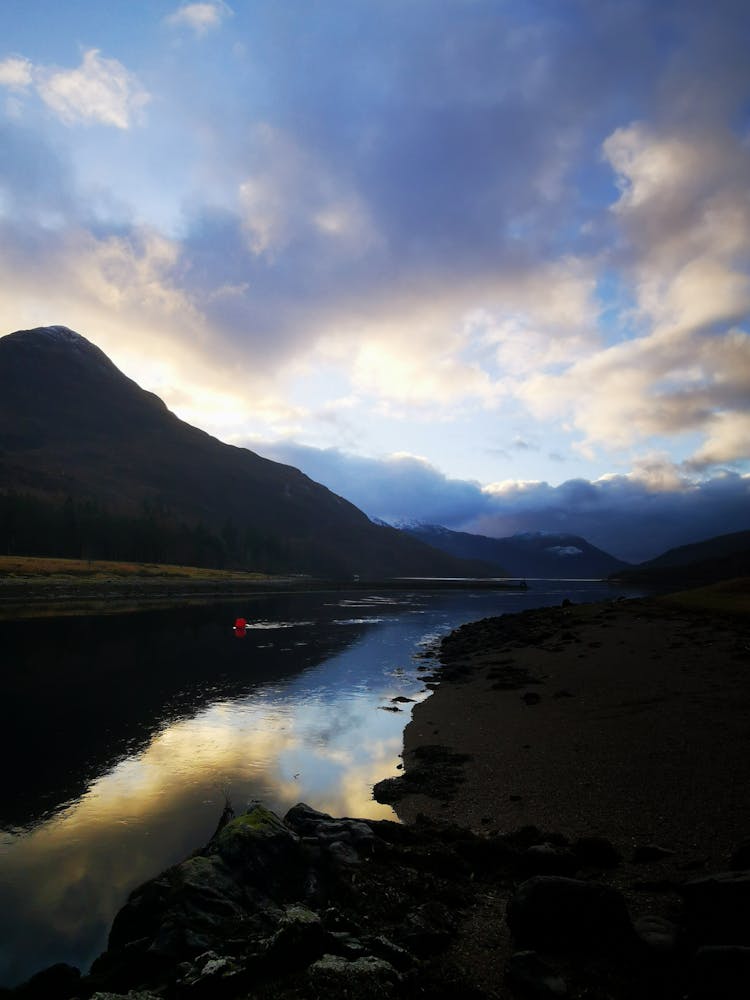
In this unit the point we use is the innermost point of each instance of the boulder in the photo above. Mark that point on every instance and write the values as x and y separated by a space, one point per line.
366 978
554 912
261 851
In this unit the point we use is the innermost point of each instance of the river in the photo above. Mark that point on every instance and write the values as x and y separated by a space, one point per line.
124 735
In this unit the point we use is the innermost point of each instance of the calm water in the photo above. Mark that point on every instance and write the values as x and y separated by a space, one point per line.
123 734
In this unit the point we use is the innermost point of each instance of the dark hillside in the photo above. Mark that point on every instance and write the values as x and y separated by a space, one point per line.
81 444
720 558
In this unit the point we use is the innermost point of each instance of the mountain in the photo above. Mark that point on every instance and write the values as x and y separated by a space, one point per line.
535 554
719 558
92 465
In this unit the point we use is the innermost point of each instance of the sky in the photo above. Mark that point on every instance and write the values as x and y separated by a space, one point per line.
481 263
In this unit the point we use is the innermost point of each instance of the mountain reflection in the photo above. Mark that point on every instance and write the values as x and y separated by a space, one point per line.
80 693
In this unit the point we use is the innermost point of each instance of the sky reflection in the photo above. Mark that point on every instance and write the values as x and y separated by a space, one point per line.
289 714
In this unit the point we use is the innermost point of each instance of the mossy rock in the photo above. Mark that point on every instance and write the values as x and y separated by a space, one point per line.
260 850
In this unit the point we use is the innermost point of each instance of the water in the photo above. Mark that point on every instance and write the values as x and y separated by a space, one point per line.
122 735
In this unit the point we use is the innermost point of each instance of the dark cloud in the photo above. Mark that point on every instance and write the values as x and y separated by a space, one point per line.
630 517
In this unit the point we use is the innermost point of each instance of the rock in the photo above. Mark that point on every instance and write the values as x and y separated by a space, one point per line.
344 840
549 859
58 982
212 975
383 947
200 894
531 697
657 934
717 909
534 978
300 939
646 853
556 912
427 928
720 973
366 978
261 851
597 852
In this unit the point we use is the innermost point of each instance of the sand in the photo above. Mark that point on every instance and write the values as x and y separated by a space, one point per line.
638 729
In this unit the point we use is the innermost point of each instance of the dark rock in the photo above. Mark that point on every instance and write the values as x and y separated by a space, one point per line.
402 700
658 935
427 928
261 852
58 982
549 859
366 978
720 973
398 957
531 697
300 939
646 853
717 908
534 978
597 852
552 911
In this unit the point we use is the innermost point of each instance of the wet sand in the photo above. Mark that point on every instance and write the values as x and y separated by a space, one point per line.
628 720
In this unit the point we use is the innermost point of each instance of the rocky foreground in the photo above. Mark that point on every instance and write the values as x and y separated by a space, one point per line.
450 904
312 907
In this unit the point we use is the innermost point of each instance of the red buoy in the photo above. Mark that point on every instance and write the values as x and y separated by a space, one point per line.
240 623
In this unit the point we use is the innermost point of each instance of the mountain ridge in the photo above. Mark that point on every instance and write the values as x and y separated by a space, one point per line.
529 554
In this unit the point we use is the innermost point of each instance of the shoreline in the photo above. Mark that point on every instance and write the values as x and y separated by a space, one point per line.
626 720
45 597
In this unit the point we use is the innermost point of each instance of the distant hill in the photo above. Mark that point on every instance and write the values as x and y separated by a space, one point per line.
92 465
720 558
535 554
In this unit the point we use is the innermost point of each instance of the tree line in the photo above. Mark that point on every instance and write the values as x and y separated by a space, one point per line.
83 529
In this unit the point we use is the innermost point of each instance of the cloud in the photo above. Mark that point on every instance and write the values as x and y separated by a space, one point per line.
200 17
15 73
100 91
684 210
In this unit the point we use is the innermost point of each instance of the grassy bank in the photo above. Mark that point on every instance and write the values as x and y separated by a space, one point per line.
31 568
727 597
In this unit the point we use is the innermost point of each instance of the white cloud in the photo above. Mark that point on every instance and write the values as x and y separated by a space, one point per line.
16 73
200 17
100 91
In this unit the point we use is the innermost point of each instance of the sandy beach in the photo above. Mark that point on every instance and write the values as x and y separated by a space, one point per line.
628 720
